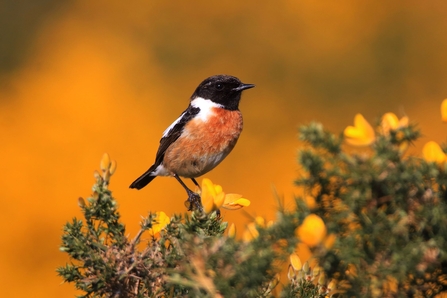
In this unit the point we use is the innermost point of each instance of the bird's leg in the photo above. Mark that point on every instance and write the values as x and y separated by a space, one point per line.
193 201
195 182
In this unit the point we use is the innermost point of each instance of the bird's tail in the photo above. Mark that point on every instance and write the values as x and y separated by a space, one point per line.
143 180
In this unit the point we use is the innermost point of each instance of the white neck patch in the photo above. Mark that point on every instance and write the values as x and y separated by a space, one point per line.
206 107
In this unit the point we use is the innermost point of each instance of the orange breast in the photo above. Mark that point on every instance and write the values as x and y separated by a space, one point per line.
204 144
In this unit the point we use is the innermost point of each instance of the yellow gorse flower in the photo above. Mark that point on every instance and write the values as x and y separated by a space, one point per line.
235 201
361 134
160 222
214 198
312 231
251 232
329 241
295 262
391 122
432 152
444 110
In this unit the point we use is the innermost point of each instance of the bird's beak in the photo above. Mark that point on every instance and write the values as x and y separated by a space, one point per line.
243 87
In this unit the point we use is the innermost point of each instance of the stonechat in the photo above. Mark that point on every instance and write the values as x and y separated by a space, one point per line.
203 135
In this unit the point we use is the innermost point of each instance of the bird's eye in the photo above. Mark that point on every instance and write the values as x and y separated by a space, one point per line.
219 86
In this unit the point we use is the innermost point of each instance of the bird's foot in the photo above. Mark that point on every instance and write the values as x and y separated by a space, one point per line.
193 202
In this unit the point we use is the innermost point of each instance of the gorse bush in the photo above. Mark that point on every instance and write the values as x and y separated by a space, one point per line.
388 213
374 219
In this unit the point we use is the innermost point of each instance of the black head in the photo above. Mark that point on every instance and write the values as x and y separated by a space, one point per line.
222 89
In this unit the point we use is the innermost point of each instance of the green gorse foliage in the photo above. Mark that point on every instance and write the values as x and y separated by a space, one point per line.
384 211
387 210
191 256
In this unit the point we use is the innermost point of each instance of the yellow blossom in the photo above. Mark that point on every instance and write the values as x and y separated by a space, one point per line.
403 147
214 198
391 122
322 278
235 201
432 152
232 231
161 220
312 231
351 270
444 110
310 202
295 262
251 232
112 167
361 134
329 241
331 286
260 221
105 162
390 285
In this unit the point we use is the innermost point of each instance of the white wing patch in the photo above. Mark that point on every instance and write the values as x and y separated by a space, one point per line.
206 110
160 171
166 132
206 107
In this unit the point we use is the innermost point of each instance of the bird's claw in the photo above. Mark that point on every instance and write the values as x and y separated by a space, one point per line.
194 202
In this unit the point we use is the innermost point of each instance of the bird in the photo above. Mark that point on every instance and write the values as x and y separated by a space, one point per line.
201 137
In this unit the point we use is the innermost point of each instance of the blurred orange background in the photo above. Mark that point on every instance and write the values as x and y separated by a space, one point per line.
80 78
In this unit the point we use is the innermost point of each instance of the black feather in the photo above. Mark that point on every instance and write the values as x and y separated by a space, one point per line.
144 179
165 142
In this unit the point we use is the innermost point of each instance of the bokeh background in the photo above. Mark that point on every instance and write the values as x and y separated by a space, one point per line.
80 78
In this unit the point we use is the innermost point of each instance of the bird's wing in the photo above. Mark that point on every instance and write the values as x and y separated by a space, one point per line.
173 132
